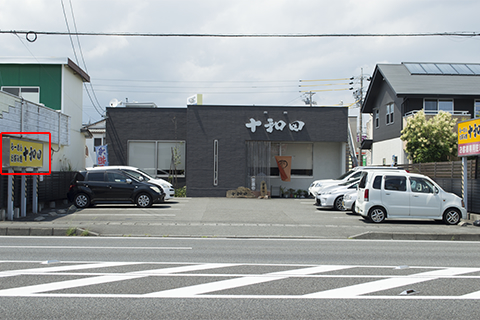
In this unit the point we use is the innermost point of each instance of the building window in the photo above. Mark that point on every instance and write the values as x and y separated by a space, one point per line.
477 109
436 105
390 110
28 93
377 118
158 158
97 142
215 162
302 158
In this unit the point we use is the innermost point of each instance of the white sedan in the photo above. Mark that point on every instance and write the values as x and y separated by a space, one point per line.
332 197
349 199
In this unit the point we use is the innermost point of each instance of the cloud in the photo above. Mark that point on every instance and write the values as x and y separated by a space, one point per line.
236 70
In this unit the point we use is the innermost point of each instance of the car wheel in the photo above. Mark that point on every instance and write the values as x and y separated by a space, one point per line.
377 214
317 201
353 209
81 200
338 203
451 216
144 200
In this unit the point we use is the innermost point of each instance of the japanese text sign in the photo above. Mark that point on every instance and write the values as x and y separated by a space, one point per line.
21 153
469 138
295 126
102 155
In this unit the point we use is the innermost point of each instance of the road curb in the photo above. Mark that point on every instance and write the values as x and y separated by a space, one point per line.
415 236
43 231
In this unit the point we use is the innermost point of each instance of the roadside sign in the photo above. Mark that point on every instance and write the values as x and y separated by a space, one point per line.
469 138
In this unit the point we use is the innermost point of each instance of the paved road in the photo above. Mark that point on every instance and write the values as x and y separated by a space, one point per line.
223 217
169 278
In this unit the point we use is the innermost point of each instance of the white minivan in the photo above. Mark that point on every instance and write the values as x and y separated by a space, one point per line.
383 194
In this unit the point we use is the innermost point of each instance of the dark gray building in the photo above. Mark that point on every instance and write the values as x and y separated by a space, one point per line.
398 91
220 148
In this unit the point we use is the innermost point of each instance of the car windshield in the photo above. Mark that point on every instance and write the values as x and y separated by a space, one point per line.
136 175
344 175
146 174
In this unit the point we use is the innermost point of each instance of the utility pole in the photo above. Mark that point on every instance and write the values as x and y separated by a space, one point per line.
309 98
360 129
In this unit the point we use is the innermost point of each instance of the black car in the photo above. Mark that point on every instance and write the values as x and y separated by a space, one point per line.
112 186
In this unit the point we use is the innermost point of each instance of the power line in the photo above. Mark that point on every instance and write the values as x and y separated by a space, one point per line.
81 54
32 35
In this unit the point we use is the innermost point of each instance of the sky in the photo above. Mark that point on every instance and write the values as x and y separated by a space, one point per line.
240 70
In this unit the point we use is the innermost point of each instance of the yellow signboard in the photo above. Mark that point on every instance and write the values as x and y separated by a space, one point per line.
469 138
24 154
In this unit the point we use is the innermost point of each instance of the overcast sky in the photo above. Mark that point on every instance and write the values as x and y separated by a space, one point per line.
237 71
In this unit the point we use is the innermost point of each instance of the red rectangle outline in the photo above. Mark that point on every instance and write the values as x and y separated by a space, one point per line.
27 173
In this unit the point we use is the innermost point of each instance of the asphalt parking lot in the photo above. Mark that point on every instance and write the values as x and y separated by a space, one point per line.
231 217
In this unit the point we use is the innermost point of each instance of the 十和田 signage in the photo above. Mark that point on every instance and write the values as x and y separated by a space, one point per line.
469 138
20 153
295 126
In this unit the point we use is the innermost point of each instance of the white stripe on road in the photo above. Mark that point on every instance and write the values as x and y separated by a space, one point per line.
29 290
129 213
385 284
192 291
190 268
65 268
110 248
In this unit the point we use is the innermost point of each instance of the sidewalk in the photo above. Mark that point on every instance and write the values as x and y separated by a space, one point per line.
230 218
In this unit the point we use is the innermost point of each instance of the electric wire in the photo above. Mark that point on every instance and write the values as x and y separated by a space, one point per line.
81 54
251 35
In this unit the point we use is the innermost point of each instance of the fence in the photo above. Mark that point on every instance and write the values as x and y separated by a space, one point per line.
53 187
449 176
449 170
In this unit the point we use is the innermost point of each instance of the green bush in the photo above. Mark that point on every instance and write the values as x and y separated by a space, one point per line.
181 192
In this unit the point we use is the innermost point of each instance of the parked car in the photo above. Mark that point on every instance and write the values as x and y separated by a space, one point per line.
143 176
90 187
349 199
332 196
383 194
351 175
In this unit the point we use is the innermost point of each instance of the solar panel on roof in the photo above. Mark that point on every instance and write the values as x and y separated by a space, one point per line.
475 68
443 68
415 68
462 69
431 68
446 68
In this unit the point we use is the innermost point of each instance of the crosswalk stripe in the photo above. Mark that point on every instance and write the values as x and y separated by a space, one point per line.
192 291
196 267
64 268
385 284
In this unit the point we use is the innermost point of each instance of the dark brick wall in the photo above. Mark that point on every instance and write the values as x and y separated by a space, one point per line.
227 125
201 125
125 124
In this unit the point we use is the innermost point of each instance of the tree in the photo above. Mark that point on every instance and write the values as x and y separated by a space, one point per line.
432 140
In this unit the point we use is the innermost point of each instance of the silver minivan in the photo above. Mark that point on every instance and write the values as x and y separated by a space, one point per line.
383 194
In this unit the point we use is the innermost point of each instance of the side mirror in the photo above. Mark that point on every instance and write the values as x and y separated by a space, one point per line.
141 178
436 190
128 181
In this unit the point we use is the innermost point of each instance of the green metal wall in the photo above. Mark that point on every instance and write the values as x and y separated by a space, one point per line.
47 77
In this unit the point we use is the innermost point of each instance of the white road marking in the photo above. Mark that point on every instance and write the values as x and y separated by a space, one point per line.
192 291
64 268
126 213
84 247
385 284
207 290
195 267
